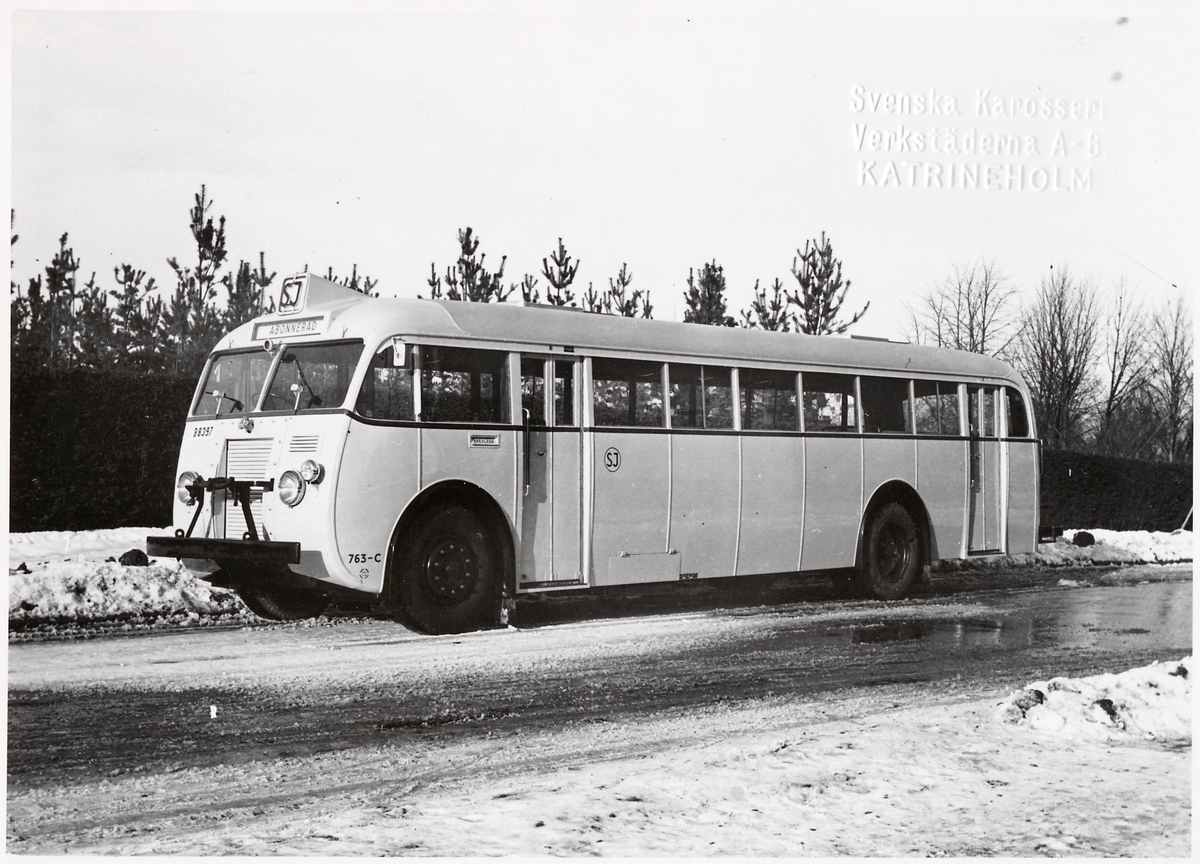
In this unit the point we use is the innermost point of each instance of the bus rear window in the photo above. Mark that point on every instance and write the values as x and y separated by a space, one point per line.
234 383
627 392
312 377
829 402
463 385
1018 420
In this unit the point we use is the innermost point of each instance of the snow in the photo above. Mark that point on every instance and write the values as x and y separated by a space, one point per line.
65 576
1096 766
69 578
1153 702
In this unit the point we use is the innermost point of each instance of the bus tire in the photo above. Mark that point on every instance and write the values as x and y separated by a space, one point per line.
892 553
276 600
449 575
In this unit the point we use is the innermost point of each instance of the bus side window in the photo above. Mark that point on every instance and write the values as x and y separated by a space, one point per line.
701 397
935 407
627 392
1018 420
564 393
769 399
387 391
463 385
533 390
829 402
884 404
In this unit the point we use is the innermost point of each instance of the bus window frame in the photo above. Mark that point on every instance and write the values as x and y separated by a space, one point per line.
199 391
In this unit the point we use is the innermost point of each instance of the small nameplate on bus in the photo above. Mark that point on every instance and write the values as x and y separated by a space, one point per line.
485 441
295 327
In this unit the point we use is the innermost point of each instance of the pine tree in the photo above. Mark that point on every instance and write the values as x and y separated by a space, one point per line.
770 314
822 290
363 286
245 291
136 320
60 288
560 277
470 279
616 302
191 322
528 286
95 340
705 298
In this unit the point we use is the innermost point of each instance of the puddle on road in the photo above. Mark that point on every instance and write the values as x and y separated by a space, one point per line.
1146 614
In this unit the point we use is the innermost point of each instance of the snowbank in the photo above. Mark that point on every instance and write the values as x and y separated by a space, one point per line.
65 576
1111 547
73 576
1153 702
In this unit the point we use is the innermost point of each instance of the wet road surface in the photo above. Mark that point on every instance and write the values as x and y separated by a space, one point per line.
89 709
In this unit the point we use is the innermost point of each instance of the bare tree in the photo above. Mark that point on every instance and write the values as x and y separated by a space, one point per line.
973 309
1171 382
1055 352
1121 423
822 291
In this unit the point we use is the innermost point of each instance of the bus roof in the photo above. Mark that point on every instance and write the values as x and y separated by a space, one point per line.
546 327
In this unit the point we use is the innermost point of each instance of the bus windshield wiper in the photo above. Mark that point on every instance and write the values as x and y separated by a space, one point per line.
295 388
218 395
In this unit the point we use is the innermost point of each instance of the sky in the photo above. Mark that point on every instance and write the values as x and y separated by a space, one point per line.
661 135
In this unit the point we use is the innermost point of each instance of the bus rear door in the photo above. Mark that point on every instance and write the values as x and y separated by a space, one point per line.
984 503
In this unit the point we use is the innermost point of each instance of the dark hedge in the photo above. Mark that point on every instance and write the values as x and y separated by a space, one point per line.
1084 491
93 449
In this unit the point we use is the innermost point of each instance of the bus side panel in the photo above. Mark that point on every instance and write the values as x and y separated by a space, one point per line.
941 481
378 477
887 459
1022 496
772 504
704 503
631 502
832 501
481 456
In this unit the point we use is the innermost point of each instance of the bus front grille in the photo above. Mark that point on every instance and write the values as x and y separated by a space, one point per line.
245 459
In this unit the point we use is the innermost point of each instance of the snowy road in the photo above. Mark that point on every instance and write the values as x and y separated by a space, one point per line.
245 740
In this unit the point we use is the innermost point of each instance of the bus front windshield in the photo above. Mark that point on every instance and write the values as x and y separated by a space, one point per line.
313 377
233 383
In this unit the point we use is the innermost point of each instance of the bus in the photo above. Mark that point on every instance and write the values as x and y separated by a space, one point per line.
441 459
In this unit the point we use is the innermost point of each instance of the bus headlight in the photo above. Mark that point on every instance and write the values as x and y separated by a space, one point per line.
186 479
291 488
312 472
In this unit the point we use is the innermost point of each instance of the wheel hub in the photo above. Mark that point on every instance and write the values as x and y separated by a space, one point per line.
451 571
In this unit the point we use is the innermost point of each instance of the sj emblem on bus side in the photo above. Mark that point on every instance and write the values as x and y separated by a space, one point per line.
612 458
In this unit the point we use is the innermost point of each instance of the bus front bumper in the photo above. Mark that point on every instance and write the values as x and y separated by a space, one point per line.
208 548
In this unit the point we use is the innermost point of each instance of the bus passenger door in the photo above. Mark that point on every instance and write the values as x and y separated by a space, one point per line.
550 522
984 502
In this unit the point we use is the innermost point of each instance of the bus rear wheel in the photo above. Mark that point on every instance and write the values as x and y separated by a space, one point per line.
277 598
892 553
449 573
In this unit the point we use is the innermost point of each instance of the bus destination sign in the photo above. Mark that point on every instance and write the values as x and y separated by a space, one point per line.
294 327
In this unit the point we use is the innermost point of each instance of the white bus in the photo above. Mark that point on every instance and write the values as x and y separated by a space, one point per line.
445 458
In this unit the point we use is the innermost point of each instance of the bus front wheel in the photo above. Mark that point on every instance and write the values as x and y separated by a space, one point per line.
278 599
892 553
449 573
